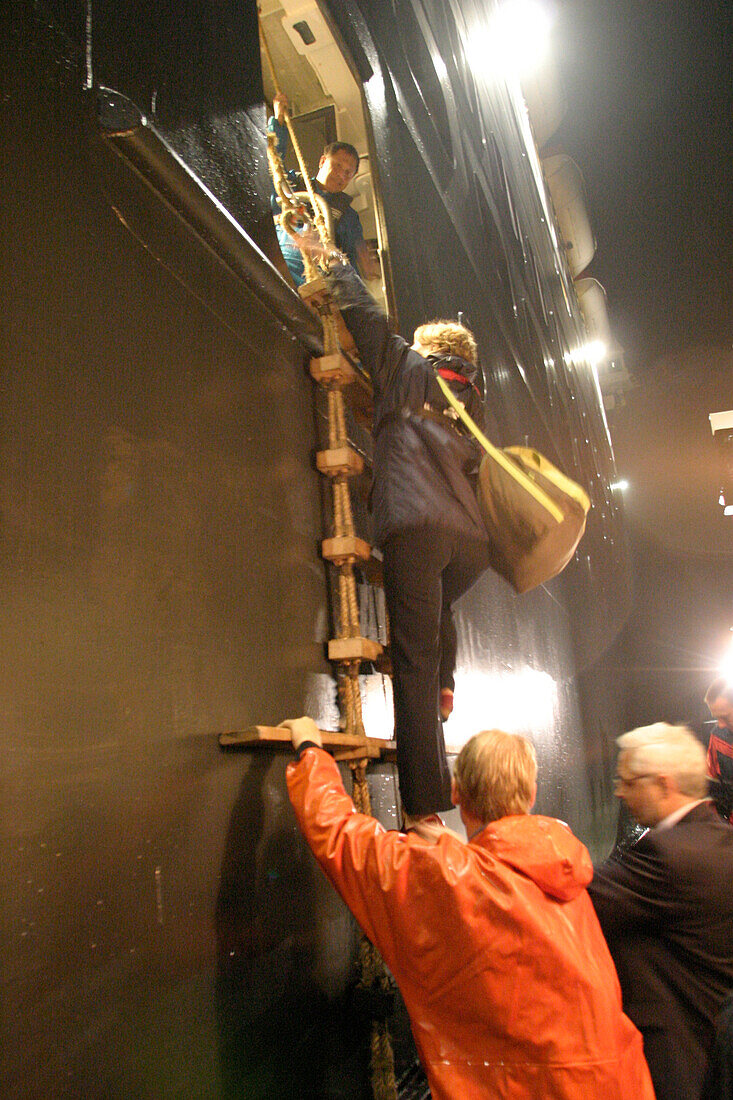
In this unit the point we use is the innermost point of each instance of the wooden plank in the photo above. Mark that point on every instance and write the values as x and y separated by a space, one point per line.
339 460
345 339
383 663
353 649
314 291
256 736
345 549
332 369
376 749
366 752
317 296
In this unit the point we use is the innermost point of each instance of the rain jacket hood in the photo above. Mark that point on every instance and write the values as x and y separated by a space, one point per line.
544 850
494 944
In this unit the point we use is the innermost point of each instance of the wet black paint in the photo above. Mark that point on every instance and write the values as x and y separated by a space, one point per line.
164 930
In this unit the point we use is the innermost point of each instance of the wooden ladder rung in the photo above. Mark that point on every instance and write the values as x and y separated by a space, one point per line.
353 649
339 460
374 748
316 295
350 744
315 291
345 549
332 369
360 401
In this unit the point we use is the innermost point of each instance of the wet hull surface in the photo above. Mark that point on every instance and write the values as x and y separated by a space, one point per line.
165 932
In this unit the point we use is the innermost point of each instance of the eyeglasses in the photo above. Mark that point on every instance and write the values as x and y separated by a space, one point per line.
619 781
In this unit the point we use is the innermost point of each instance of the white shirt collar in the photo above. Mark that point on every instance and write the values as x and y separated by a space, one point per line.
677 815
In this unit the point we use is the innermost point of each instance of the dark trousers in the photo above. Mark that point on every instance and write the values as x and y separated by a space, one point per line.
425 571
676 1063
718 1083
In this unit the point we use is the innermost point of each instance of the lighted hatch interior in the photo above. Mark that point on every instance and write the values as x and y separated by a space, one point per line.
325 105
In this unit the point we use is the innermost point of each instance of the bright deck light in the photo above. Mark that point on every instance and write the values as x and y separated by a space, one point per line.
595 352
592 353
514 40
620 486
725 668
522 30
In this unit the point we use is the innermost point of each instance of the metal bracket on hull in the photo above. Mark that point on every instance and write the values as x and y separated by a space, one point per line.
187 203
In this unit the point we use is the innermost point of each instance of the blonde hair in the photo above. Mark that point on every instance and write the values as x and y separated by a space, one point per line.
662 749
447 338
495 773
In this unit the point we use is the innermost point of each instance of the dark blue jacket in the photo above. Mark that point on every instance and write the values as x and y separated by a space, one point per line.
424 466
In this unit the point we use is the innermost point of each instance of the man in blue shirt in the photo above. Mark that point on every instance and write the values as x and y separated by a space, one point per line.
336 169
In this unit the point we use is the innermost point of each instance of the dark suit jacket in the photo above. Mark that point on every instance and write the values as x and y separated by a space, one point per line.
666 908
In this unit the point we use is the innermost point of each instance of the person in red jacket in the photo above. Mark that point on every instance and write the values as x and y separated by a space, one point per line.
494 943
719 699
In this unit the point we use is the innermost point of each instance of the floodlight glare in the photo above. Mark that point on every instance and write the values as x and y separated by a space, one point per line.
620 486
522 29
514 40
725 668
592 353
595 352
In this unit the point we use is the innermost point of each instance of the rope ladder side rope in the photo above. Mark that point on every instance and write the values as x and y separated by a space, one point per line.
342 552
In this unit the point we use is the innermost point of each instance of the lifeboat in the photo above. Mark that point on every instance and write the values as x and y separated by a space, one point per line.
567 190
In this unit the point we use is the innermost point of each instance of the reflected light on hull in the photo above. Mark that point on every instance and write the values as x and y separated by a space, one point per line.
519 701
376 705
592 353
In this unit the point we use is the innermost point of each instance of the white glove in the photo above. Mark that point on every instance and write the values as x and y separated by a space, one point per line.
302 729
279 106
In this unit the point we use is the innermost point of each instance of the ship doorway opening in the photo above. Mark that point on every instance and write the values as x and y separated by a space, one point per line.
326 105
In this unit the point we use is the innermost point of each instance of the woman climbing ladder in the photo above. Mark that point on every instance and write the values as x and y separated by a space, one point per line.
427 521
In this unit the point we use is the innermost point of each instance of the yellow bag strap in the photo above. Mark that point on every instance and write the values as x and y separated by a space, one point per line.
498 455
557 477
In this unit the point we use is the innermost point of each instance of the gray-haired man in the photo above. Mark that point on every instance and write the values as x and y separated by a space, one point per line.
666 906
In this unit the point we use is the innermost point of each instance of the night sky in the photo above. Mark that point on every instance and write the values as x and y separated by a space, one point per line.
650 123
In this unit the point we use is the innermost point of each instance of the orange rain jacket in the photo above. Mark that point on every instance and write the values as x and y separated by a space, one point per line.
494 944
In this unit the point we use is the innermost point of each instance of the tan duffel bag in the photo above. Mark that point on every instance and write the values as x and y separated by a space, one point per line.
534 514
